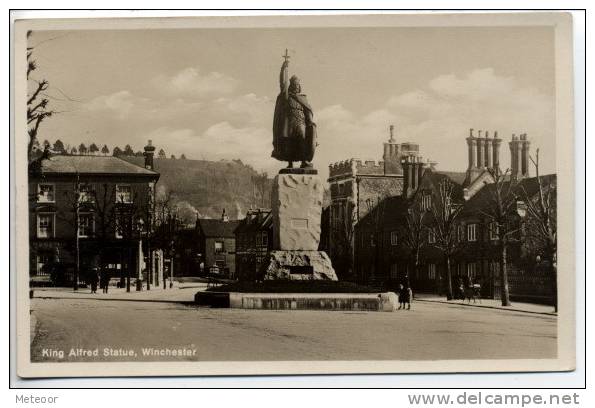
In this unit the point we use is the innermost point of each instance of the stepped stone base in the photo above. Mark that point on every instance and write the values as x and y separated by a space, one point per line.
299 265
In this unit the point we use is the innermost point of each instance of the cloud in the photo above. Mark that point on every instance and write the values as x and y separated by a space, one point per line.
223 124
220 141
190 82
439 115
120 104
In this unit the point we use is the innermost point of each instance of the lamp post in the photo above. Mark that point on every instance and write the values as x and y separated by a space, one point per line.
139 279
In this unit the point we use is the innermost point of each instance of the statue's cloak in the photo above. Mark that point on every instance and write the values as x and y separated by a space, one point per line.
284 147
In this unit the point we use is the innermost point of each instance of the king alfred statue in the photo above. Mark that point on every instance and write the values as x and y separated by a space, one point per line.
294 132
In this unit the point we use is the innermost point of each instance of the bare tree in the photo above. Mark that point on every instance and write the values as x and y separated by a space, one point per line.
74 202
343 234
414 234
541 221
260 184
500 205
376 210
445 217
37 104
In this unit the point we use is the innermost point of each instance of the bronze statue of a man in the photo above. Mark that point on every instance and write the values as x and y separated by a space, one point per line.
294 132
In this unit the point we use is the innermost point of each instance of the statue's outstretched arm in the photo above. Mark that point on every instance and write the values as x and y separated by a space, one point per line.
283 78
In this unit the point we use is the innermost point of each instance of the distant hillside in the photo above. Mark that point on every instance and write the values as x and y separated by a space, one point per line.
208 186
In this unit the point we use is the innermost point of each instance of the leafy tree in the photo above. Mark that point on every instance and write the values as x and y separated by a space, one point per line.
128 150
117 152
46 143
173 157
37 103
161 154
59 146
183 156
82 148
105 150
139 154
73 150
93 148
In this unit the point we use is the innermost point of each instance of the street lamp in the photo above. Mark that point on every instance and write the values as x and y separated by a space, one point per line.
139 279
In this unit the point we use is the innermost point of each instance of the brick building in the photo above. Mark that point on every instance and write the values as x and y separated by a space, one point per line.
356 187
254 239
382 256
217 245
91 211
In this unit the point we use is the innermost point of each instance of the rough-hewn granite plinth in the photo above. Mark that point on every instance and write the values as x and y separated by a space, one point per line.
296 201
299 265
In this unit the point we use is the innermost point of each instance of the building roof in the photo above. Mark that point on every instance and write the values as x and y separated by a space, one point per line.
63 164
456 176
483 196
436 177
393 208
217 227
257 220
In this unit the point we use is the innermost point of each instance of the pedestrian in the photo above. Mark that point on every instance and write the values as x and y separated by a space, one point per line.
105 278
405 294
93 279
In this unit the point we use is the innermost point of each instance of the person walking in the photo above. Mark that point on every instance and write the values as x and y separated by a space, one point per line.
404 297
105 278
93 279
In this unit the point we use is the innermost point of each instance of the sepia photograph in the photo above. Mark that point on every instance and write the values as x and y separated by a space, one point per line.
294 195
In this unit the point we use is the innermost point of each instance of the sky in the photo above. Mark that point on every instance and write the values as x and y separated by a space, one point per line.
209 93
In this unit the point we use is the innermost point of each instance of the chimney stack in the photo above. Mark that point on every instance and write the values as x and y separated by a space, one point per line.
412 172
519 157
525 155
224 216
149 152
392 155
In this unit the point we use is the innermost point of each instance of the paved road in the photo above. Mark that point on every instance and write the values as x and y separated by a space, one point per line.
429 331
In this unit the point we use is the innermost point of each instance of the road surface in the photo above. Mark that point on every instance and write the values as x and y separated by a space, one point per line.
120 330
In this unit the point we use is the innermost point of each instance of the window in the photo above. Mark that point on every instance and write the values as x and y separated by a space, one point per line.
218 247
471 270
119 232
494 231
426 201
86 225
264 239
43 259
86 193
45 225
45 193
394 271
372 240
461 233
123 193
431 271
472 232
394 238
431 236
495 268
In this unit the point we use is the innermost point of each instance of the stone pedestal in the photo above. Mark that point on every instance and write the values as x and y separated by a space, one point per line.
296 201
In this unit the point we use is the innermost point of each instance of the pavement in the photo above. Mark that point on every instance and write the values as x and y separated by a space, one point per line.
127 326
180 293
490 304
184 293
